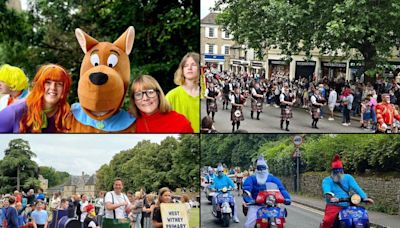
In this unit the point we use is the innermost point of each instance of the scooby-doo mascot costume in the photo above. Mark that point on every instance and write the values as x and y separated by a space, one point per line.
103 82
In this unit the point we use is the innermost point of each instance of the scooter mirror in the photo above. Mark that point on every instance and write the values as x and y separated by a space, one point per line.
246 193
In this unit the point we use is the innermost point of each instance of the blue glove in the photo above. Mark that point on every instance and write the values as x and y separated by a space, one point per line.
287 202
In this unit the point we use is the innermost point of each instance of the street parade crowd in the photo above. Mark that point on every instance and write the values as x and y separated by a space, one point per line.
256 183
135 209
375 102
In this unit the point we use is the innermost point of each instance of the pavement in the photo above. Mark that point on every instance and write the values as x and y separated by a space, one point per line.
377 219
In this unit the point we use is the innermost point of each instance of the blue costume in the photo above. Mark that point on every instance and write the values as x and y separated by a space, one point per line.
210 177
251 185
348 183
221 182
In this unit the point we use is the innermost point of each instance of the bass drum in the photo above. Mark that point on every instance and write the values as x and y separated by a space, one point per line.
66 222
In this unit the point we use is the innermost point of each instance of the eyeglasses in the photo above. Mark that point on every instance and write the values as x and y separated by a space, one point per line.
150 93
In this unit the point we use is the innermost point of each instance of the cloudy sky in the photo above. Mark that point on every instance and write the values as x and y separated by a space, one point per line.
75 153
205 6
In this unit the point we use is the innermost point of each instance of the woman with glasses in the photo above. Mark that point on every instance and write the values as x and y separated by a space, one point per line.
152 111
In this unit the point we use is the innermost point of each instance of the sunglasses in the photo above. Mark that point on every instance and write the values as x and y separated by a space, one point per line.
261 167
150 93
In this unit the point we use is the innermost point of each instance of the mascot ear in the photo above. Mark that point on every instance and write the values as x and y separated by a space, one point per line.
125 41
85 41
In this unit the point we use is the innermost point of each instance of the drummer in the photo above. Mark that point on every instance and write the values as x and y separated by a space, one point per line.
211 95
257 95
117 204
237 101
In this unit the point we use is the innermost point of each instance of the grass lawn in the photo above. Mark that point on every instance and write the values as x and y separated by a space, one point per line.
194 220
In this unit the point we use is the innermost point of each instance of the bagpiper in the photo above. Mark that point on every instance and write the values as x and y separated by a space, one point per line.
287 99
211 95
316 104
257 97
237 101
227 90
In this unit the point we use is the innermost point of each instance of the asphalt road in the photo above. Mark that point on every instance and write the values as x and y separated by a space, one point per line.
270 121
299 216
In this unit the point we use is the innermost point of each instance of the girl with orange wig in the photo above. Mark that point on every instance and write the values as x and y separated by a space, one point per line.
45 108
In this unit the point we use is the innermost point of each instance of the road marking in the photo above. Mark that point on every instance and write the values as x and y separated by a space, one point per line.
308 208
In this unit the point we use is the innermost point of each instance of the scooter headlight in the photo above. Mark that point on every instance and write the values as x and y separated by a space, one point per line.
270 200
355 199
224 190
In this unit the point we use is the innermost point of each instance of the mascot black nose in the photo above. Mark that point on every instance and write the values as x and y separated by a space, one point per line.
98 78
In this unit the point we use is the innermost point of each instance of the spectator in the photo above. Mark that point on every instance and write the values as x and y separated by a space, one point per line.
12 214
39 216
164 196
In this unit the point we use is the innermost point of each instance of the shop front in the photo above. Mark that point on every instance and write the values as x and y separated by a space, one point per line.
305 69
333 70
278 69
215 62
236 66
257 68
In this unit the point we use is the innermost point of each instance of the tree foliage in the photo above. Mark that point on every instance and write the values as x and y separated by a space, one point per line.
53 176
295 26
18 155
165 32
359 153
172 163
232 149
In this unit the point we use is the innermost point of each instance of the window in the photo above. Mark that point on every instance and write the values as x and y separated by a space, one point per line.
211 32
227 35
211 49
226 50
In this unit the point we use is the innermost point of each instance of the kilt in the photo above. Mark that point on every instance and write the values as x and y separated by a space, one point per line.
225 98
286 113
212 105
256 104
315 112
234 118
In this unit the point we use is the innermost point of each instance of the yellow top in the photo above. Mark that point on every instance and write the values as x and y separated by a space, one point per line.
186 105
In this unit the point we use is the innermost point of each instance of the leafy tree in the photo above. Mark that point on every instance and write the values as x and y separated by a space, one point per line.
172 163
331 26
53 176
232 149
17 165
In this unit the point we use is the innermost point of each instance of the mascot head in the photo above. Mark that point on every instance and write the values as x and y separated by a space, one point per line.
105 73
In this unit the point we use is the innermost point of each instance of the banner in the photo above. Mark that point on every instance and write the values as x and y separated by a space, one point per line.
174 215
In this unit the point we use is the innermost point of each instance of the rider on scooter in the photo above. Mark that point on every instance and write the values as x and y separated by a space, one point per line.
335 187
221 181
256 183
210 175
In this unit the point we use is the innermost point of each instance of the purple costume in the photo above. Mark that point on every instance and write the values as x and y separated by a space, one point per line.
12 115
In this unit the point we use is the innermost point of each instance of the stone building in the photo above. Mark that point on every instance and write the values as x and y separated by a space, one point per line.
215 43
218 48
84 184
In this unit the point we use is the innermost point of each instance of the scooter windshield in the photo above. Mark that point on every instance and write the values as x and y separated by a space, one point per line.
270 186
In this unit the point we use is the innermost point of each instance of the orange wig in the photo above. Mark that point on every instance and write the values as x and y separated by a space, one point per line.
32 119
